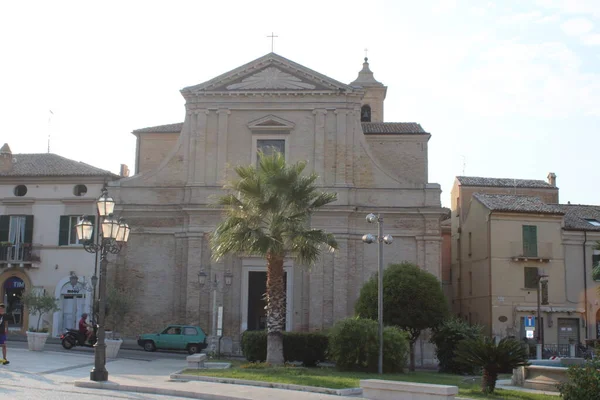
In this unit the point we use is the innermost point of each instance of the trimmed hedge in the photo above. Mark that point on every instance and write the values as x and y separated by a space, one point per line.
354 345
306 347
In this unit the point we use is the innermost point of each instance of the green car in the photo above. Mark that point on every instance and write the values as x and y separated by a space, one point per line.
175 337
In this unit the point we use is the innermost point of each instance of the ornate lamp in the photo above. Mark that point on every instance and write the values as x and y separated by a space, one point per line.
84 229
110 227
105 203
123 232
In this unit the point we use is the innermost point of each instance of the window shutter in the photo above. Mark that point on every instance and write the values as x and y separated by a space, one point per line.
4 227
29 229
63 230
530 240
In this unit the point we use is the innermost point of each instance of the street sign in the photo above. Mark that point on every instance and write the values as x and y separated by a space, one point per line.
529 334
220 321
530 321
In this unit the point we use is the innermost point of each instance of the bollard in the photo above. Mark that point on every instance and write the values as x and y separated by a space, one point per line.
538 351
572 350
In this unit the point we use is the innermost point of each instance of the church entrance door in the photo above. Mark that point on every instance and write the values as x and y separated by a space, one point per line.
254 287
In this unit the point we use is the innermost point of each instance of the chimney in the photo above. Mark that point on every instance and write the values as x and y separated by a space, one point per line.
124 171
552 179
5 158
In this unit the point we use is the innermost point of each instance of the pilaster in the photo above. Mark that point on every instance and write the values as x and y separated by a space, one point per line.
211 150
319 155
222 144
194 257
316 297
199 137
340 280
340 159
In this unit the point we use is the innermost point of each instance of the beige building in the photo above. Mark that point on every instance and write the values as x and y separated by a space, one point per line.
42 197
506 231
374 166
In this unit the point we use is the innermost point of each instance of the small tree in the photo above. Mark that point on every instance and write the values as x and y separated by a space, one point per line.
118 304
40 304
446 338
413 300
583 382
491 357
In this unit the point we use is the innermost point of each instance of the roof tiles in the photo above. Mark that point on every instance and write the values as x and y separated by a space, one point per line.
48 164
518 204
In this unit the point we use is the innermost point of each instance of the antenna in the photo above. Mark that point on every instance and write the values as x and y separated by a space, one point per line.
464 166
515 185
49 118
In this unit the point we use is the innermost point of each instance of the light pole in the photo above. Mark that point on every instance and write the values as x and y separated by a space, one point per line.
217 330
542 281
114 232
380 239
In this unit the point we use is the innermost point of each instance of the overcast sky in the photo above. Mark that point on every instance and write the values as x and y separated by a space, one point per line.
506 88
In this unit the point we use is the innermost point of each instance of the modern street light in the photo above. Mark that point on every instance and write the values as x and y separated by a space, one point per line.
380 239
113 234
542 281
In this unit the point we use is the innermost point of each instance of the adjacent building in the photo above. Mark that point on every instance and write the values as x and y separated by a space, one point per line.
271 102
42 197
510 240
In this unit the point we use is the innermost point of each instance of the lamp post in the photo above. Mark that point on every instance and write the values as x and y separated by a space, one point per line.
114 232
542 278
214 285
380 239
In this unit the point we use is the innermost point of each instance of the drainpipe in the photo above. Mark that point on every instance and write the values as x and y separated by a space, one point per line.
585 284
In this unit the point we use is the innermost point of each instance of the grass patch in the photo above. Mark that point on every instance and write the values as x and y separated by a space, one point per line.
334 379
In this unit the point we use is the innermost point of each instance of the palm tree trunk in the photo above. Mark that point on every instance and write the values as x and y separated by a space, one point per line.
275 309
488 381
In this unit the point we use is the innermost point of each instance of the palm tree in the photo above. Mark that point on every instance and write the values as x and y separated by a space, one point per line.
491 357
267 213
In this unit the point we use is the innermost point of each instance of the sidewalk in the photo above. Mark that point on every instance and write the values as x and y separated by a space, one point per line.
128 344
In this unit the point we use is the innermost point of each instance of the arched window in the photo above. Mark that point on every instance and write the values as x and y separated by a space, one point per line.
365 113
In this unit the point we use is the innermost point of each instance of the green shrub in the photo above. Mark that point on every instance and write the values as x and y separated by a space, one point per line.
254 345
354 345
446 339
306 347
583 383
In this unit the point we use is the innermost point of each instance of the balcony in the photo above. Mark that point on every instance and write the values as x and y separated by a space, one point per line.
17 254
545 252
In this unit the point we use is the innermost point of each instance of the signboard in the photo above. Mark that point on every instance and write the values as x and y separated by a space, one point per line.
529 334
220 321
529 321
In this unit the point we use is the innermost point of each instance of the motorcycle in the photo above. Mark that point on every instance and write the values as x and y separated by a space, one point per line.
72 338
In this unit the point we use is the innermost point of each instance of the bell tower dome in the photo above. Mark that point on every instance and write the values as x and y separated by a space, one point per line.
372 102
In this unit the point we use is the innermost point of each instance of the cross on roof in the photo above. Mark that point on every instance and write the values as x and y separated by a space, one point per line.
366 50
272 36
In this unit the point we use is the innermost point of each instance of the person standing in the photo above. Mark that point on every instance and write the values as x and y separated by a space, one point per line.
3 331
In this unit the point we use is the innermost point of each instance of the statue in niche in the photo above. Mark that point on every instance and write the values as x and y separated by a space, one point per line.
365 114
544 292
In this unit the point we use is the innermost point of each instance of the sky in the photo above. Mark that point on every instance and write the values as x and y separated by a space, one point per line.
508 89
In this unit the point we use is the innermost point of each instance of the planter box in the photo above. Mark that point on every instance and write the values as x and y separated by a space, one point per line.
37 340
112 347
376 389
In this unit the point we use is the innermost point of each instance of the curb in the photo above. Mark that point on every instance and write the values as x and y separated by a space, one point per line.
179 376
152 390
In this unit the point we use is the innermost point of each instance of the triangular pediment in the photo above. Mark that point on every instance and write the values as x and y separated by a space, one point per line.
271 122
269 73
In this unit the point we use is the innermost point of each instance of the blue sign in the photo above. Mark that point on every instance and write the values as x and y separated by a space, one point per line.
14 283
530 321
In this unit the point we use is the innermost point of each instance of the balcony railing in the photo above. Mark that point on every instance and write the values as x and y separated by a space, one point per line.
16 253
545 252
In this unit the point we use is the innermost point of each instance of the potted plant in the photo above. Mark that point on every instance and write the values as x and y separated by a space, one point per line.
118 305
39 304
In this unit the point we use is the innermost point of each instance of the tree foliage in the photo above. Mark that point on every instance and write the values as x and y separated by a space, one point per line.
583 382
39 303
446 338
491 357
413 300
267 214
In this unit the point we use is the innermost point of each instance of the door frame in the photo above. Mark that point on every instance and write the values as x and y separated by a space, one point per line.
9 273
251 266
58 315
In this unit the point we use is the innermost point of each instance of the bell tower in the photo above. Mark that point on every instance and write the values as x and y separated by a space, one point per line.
372 103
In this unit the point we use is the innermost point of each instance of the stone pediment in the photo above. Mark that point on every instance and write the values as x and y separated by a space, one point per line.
269 73
270 122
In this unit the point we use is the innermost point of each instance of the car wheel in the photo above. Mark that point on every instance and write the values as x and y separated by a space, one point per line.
149 345
193 348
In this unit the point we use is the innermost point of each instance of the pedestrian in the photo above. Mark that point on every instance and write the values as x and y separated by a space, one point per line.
3 330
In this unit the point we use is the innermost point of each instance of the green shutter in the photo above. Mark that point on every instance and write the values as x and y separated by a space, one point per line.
530 277
29 229
530 241
63 230
4 227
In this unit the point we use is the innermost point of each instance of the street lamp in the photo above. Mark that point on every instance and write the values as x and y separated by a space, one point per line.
542 282
380 239
114 233
214 285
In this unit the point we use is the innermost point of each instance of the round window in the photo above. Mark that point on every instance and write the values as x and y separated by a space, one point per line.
79 190
20 190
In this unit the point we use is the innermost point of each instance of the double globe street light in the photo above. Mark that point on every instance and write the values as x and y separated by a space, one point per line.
380 239
114 233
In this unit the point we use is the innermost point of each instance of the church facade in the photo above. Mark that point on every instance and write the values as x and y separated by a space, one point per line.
271 102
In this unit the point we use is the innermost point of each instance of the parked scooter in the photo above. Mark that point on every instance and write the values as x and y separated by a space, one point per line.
72 338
